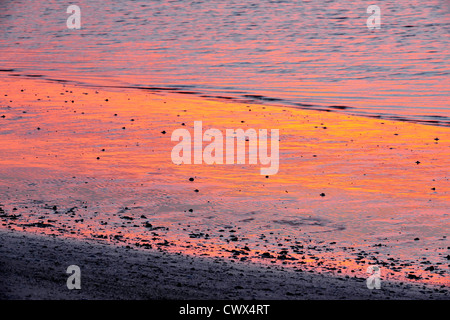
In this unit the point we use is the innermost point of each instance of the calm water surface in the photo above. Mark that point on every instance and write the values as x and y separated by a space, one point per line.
304 54
309 54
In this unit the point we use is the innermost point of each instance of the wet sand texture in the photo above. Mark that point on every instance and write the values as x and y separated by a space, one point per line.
34 266
94 163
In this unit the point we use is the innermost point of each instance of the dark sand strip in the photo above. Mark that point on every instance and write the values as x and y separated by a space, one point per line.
33 267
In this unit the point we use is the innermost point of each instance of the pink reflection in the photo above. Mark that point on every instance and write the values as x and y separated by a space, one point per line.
99 167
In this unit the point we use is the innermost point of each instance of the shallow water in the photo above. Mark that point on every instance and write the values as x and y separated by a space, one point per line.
76 165
303 54
306 54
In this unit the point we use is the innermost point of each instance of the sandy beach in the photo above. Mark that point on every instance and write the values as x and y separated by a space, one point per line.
86 172
225 150
34 267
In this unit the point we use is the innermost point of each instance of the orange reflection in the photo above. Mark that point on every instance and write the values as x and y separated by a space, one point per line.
95 163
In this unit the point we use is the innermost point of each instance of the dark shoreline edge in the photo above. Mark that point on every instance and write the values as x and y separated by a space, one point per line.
433 120
34 268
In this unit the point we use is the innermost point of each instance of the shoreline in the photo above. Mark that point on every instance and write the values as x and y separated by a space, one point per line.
33 268
253 99
95 164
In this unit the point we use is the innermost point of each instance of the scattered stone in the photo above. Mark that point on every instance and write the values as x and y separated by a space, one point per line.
413 276
148 225
38 225
165 243
266 255
127 218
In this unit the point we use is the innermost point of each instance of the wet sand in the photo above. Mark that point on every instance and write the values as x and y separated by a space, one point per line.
34 267
94 163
